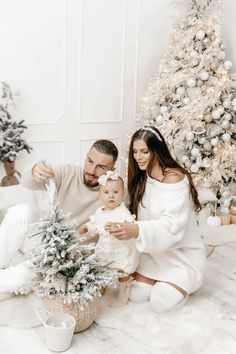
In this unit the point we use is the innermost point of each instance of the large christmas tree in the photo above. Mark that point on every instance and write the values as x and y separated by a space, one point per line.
192 100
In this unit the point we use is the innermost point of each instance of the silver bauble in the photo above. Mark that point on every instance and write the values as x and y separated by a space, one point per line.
207 146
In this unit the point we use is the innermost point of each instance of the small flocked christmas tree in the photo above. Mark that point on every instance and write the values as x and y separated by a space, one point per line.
11 141
64 266
192 100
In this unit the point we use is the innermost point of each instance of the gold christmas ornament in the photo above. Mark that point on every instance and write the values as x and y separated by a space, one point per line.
233 210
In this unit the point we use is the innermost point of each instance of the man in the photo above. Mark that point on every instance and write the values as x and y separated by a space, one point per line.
77 194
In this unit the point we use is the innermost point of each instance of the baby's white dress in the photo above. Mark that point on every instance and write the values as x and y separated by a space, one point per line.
123 254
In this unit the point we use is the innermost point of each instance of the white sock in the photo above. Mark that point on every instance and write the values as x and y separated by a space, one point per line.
140 291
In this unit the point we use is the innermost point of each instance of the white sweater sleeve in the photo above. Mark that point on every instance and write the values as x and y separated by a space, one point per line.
159 235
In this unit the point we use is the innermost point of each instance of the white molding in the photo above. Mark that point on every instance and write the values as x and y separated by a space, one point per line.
121 118
57 119
136 61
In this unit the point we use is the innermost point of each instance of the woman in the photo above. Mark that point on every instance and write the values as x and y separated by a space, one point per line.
163 197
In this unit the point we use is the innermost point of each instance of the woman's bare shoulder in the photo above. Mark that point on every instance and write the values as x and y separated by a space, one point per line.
173 176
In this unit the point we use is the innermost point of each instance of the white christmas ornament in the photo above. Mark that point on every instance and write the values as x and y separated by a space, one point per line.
206 162
224 209
228 64
234 102
186 100
207 146
193 92
191 82
202 140
214 129
216 114
199 83
226 193
213 221
180 91
163 109
193 53
206 195
225 124
220 109
221 55
214 141
159 119
226 103
204 76
208 118
194 168
195 152
226 137
200 35
189 136
227 116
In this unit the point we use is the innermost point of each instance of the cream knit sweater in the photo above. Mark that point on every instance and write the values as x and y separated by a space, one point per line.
72 194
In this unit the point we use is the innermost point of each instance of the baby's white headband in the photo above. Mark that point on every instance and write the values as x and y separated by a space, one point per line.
153 131
102 180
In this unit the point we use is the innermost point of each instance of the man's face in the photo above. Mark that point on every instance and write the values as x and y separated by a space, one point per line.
96 165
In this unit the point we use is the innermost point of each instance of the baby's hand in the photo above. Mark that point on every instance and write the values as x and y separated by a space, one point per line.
83 229
111 225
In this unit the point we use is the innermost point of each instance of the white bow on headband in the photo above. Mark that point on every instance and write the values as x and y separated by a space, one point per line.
102 180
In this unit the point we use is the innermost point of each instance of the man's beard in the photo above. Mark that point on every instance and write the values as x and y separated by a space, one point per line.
89 183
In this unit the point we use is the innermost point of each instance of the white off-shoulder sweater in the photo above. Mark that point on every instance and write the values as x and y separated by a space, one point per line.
169 239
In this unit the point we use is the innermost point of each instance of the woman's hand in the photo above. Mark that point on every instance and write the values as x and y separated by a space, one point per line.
122 231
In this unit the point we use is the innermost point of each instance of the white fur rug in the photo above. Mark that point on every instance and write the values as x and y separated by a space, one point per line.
198 327
19 311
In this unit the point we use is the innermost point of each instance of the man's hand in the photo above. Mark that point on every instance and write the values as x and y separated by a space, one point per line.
83 229
122 231
42 171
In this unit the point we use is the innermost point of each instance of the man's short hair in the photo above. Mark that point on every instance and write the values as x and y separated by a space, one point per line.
106 147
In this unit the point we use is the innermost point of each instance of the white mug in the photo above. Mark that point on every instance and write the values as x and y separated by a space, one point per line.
58 328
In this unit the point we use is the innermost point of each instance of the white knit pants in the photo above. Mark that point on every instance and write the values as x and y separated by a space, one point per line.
13 237
162 296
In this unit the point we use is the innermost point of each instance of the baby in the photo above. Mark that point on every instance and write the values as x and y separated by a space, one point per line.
122 254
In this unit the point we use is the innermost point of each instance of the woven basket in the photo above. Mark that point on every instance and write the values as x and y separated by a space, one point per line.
84 317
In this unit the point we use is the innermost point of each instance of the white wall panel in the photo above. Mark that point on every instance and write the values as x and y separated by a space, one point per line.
102 65
51 151
82 67
34 51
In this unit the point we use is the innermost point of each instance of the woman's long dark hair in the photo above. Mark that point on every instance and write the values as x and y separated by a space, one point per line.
159 152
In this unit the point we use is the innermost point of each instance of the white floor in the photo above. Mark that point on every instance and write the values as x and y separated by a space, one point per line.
219 287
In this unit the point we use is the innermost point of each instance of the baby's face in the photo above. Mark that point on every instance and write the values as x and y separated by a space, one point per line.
112 194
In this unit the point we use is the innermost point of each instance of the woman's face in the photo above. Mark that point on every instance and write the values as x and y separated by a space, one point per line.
141 154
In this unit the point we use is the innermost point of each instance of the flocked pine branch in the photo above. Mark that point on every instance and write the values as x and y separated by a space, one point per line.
11 142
